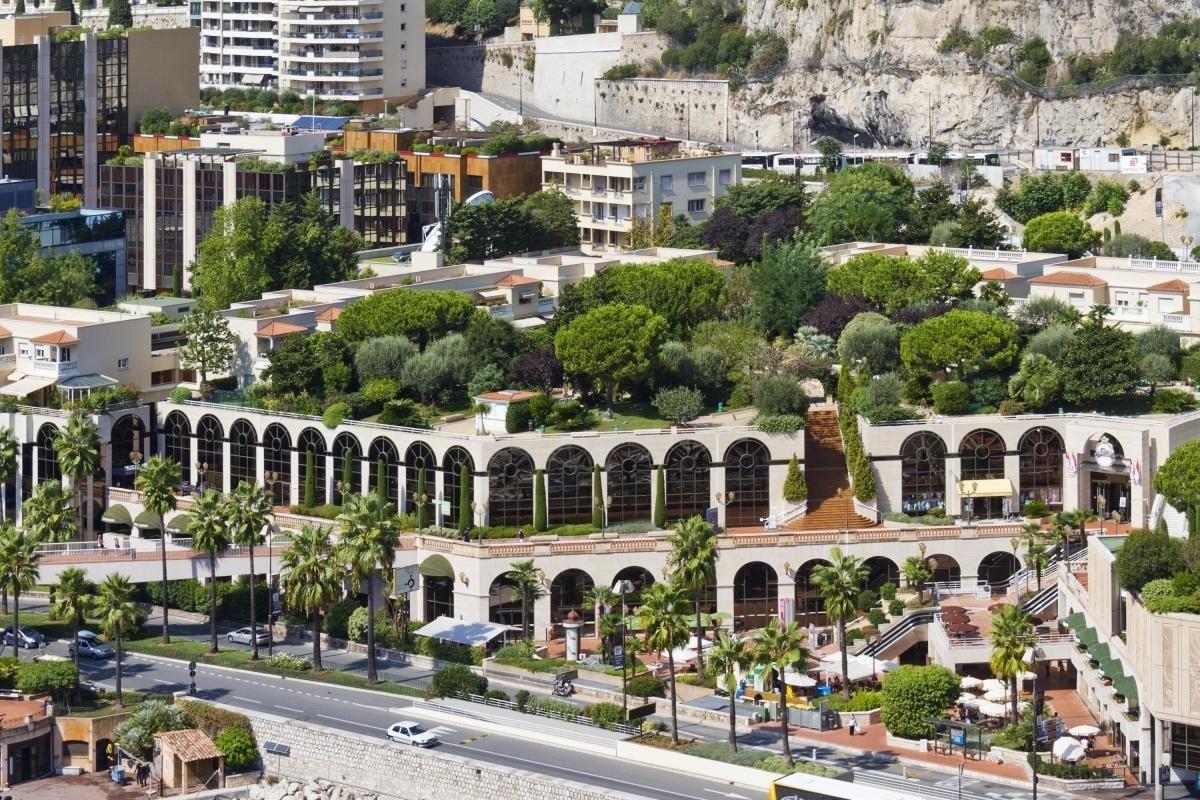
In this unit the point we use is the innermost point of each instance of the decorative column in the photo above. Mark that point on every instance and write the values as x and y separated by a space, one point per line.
439 486
571 626
329 479
541 618
294 477
226 467
716 485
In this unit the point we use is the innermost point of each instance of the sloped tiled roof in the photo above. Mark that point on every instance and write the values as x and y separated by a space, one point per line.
330 314
1070 279
189 745
280 329
998 274
56 337
1175 286
516 280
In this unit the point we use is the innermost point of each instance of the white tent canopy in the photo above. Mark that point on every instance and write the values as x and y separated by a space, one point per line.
473 634
860 667
1068 749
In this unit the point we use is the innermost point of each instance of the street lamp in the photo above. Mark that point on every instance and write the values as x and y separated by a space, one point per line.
621 587
271 479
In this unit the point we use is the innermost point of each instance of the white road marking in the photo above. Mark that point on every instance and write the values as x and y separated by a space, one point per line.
293 710
348 722
247 700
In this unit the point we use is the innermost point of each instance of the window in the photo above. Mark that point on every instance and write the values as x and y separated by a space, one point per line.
1122 299
639 183
64 354
725 177
665 182
1076 298
696 205
1166 305
122 363
1185 746
39 353
24 350
695 179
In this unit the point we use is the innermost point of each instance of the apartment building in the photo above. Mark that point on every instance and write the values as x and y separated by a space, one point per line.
73 350
615 183
362 51
172 197
69 105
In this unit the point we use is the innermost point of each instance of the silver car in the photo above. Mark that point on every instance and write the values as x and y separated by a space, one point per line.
409 732
91 647
242 636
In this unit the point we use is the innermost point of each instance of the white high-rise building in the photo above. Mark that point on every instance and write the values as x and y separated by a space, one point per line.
364 51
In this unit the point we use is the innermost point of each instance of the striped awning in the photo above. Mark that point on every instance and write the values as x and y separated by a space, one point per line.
117 514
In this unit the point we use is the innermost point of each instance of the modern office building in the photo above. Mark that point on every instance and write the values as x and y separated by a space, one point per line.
92 91
363 51
614 183
173 197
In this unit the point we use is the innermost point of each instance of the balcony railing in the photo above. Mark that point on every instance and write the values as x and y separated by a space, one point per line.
1138 313
53 368
1177 322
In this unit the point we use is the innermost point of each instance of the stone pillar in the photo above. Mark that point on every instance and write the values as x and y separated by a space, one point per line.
90 509
470 603
1012 471
541 617
954 504
365 475
33 465
439 486
260 469
294 477
345 167
229 183
226 465
17 479
776 475
571 626
725 600
480 495
4 784
716 484
44 133
91 178
330 478
401 488
149 265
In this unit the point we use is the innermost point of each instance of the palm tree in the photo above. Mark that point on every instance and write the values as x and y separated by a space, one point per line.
49 514
18 571
663 618
1082 517
693 564
840 582
1012 637
601 599
248 514
779 647
10 451
311 579
729 656
157 481
607 628
210 535
117 614
73 599
1036 554
526 579
916 575
77 448
368 544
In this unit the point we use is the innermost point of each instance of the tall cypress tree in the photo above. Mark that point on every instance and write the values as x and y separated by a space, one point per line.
597 498
347 473
660 498
120 14
464 499
422 505
310 479
539 500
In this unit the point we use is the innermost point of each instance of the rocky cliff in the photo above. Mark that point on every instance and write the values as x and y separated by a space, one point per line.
872 68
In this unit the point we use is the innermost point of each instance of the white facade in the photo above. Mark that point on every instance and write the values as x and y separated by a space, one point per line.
354 50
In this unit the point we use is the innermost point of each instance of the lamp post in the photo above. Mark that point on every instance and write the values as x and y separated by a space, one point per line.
620 587
479 509
272 480
727 501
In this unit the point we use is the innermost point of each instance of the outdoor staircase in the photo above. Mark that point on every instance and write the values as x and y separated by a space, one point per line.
825 471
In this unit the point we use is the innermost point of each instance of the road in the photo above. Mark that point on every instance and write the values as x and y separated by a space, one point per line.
368 713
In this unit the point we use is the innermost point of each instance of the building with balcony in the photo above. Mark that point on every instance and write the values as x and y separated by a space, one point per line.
69 105
367 52
616 184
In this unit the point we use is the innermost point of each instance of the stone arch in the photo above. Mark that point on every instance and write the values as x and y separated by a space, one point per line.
998 566
640 577
383 450
504 602
47 460
419 456
510 487
945 568
346 449
128 437
567 592
210 456
688 474
437 579
755 595
569 486
810 604
629 467
922 473
243 454
452 465
747 483
1041 457
310 440
881 570
177 442
277 463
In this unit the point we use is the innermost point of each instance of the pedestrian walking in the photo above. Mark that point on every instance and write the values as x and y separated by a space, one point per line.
853 726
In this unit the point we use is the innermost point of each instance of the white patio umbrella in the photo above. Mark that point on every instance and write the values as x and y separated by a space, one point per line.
969 700
996 695
1026 676
970 682
1084 730
799 680
990 709
1068 749
992 683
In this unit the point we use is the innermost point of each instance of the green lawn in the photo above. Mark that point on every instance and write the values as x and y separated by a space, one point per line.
42 622
630 416
107 705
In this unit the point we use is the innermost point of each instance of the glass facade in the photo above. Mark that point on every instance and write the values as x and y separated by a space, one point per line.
20 111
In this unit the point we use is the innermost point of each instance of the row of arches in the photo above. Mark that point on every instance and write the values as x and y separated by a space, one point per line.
981 456
756 588
629 468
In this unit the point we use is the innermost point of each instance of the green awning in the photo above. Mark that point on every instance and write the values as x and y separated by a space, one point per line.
146 521
1099 652
1112 668
180 524
1087 637
1076 621
117 515
1127 686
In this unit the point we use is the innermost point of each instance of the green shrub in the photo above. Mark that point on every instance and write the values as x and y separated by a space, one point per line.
456 680
239 748
56 678
1172 401
867 599
212 720
571 415
356 626
778 423
1059 769
522 699
1011 408
402 412
289 661
795 488
1107 196
181 394
606 715
646 686
496 694
862 700
951 397
895 608
540 407
335 414
1015 737
517 417
888 591
337 617
1157 589
1035 509
554 708
913 696
877 616
1174 604
620 72
779 394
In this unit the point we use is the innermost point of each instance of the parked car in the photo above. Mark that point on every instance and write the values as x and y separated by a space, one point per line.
242 636
29 638
91 647
409 732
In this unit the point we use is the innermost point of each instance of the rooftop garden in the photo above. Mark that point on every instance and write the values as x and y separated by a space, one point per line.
269 100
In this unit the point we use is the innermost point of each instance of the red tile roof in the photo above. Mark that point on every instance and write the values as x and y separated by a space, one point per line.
1175 286
1070 279
998 274
507 396
56 337
330 314
280 329
517 280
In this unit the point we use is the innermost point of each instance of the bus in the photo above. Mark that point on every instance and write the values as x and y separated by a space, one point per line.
799 786
759 159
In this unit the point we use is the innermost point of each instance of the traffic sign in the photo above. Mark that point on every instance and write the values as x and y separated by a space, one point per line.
618 656
640 712
408 579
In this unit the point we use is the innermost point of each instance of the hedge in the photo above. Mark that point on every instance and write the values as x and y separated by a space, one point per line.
456 680
645 686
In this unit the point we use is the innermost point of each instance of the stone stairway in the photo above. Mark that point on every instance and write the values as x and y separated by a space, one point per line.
825 471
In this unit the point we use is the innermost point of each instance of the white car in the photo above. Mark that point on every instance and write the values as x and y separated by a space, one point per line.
409 732
242 636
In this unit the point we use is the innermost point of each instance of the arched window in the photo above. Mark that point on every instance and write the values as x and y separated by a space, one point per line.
177 440
347 468
569 486
981 457
810 603
628 467
47 466
382 451
687 476
452 464
504 602
1041 467
128 437
747 483
209 458
277 463
243 454
755 595
311 441
922 473
566 593
419 457
510 487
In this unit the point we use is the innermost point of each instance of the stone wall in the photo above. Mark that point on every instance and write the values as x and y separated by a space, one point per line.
501 69
153 15
691 109
405 773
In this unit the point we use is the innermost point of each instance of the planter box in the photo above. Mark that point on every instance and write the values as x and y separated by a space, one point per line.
918 745
863 719
1083 787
